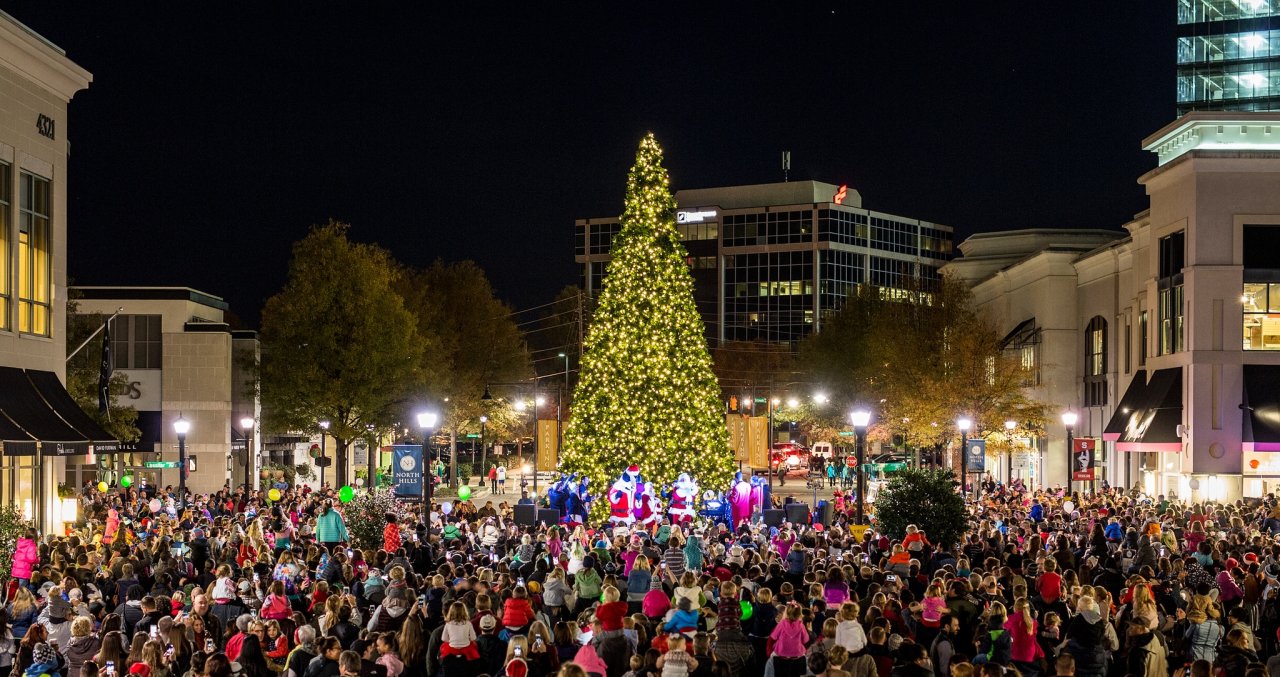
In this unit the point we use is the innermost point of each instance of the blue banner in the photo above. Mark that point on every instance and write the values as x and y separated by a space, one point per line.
406 470
976 456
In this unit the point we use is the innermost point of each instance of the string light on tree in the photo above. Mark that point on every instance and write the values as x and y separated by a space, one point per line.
646 392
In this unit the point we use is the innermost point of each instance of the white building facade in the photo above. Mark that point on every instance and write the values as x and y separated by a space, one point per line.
1164 338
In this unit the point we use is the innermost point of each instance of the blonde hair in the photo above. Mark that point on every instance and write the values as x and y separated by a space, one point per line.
1023 607
81 626
457 613
611 594
849 611
517 642
794 612
764 596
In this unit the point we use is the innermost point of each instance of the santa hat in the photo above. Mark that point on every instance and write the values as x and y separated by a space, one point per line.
633 469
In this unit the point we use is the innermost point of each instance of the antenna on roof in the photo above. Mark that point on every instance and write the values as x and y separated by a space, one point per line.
786 165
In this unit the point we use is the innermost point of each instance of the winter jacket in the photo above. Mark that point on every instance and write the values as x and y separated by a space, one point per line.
130 615
1149 658
1202 640
517 613
681 620
388 619
655 604
330 528
79 651
789 639
25 558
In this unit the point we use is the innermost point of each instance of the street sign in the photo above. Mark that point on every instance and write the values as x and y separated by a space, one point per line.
847 433
323 462
761 400
473 436
159 464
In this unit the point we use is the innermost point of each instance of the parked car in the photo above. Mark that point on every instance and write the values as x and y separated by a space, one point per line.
790 458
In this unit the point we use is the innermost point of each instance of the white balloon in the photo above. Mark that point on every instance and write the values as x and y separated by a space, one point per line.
359 481
154 505
446 507
1068 507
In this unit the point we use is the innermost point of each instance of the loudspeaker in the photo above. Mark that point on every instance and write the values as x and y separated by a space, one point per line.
797 513
774 518
526 514
823 514
548 516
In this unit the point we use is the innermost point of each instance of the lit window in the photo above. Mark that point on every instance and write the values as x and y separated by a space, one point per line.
34 256
6 294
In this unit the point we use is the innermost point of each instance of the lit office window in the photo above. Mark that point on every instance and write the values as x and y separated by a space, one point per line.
35 256
1170 301
1095 361
6 201
1199 11
1261 303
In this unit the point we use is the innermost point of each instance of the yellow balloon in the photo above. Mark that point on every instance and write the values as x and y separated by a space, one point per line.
102 486
274 494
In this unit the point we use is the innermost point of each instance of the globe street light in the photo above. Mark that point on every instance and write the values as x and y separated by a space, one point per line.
820 398
182 426
246 428
860 419
1069 419
963 424
426 421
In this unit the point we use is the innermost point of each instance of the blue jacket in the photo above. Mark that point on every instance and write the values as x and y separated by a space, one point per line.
681 619
1114 532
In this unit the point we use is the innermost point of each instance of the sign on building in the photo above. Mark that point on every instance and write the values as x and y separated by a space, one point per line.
548 445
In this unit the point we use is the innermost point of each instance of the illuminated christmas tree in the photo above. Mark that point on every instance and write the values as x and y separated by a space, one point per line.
646 393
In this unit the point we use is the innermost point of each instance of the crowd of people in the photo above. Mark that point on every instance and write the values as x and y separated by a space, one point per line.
1042 583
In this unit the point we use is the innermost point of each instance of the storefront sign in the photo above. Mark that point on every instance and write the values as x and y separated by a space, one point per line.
1082 457
406 470
1260 463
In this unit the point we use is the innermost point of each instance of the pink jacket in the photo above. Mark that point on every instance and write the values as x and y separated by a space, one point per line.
789 639
1025 647
25 557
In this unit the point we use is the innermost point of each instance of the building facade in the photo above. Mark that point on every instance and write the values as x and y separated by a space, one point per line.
1163 337
1228 55
38 432
181 359
771 261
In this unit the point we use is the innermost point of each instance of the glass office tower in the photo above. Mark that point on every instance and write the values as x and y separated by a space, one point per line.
1228 55
770 262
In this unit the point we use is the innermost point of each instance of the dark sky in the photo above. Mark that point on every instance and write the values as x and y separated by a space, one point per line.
215 134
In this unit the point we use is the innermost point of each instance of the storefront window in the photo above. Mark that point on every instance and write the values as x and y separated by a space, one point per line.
17 480
1261 305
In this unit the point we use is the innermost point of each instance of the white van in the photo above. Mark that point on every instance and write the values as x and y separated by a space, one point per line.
821 450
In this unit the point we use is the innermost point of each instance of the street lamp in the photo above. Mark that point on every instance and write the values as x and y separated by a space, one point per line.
768 450
483 455
964 424
1009 427
246 428
1069 419
182 426
860 419
324 429
821 398
426 421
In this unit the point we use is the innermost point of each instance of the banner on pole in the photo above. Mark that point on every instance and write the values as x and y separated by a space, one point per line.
1082 457
406 470
758 441
738 437
976 455
548 446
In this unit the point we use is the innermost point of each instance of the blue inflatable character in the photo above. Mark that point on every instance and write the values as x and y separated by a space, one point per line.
577 502
558 493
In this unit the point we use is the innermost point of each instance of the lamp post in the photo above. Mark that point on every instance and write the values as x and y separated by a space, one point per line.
426 421
182 426
324 429
768 447
963 424
860 419
1069 419
484 420
246 428
1009 427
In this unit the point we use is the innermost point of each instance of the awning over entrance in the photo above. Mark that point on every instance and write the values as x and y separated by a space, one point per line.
35 407
1149 414
58 399
1261 422
1133 399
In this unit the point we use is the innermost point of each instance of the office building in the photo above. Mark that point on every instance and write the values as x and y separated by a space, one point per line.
1163 337
181 359
771 261
40 426
1228 55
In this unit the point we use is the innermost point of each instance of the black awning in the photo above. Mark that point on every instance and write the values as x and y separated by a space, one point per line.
1152 425
1133 399
24 405
1261 424
1022 334
15 441
56 395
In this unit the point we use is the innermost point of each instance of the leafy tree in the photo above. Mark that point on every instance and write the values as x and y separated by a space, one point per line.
928 498
83 371
338 343
646 392
922 359
476 343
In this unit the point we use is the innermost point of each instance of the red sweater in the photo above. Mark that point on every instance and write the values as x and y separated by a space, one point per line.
611 615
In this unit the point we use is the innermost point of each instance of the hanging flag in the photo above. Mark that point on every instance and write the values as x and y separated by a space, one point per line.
104 372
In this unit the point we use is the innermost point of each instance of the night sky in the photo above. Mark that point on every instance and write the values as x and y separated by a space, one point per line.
214 135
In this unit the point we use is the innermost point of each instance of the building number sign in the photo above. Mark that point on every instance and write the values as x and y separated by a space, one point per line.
45 125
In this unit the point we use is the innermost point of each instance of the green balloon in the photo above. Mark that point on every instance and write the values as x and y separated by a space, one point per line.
126 481
747 610
464 492
345 494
